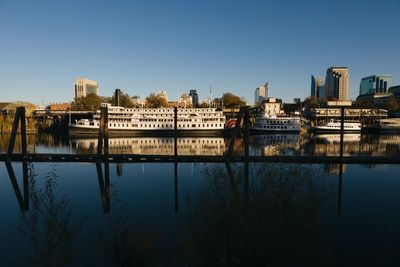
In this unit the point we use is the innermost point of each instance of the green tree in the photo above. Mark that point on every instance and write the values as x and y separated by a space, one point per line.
310 102
124 100
155 101
89 102
230 100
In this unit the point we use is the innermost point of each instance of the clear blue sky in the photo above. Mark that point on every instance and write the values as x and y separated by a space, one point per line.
144 46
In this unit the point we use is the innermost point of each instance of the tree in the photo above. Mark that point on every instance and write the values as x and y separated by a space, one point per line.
310 102
230 100
124 100
155 101
203 105
392 104
88 102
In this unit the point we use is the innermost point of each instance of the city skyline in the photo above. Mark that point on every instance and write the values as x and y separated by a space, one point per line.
142 46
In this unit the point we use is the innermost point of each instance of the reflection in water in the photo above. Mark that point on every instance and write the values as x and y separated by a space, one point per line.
155 145
37 143
47 224
262 145
280 224
120 243
354 145
277 144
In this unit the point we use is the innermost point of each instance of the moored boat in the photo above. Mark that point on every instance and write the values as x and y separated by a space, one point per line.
335 126
273 120
158 121
268 123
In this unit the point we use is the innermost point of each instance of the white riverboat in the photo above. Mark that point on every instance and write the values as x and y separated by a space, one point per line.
273 120
335 126
273 123
137 121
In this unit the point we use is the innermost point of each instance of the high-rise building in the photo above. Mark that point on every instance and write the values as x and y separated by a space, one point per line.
261 93
84 86
317 86
337 83
375 84
185 100
195 97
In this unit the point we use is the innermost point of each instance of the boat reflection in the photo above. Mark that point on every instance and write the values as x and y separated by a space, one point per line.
154 146
277 144
353 144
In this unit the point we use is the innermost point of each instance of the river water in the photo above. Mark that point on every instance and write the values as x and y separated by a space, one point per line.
202 214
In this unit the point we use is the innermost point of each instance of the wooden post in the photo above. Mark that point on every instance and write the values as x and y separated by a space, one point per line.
246 157
175 157
175 131
103 133
105 130
341 132
23 130
100 137
13 133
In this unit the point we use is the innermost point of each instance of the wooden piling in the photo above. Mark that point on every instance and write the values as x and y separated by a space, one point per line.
105 129
341 131
103 133
23 130
246 137
175 131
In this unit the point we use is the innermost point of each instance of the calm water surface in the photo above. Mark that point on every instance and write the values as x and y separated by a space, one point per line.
71 214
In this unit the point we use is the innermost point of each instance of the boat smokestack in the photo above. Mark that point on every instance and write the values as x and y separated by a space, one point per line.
117 95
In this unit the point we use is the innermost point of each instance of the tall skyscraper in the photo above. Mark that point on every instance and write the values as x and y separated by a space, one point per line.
84 86
337 83
195 97
375 84
317 86
261 93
